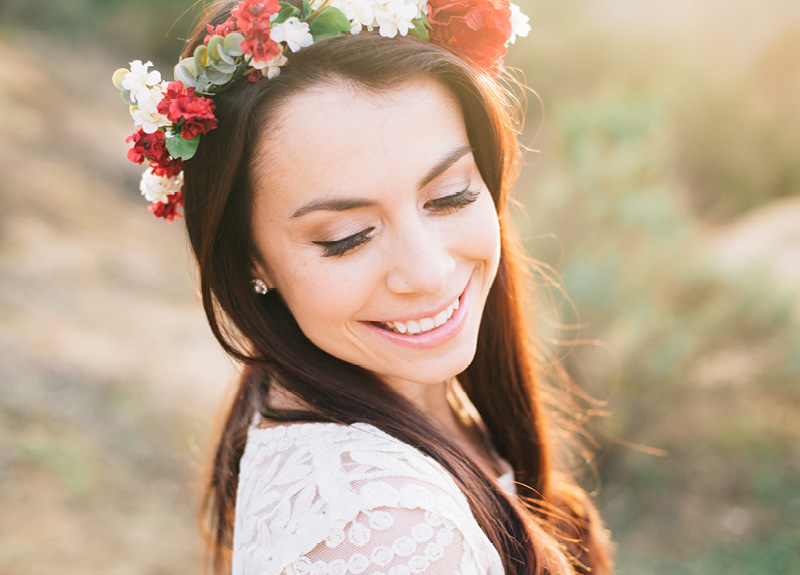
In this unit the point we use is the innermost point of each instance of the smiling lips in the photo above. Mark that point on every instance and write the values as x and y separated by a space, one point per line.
426 332
423 324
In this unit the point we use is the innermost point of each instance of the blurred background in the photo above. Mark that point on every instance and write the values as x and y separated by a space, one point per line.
663 191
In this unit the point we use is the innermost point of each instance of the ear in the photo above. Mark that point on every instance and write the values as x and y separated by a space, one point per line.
262 272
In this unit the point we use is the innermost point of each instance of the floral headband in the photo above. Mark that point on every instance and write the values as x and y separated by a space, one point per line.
253 43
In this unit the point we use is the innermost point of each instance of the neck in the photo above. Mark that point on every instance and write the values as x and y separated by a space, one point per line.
449 409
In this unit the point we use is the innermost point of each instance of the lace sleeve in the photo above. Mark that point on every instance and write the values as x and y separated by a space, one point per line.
322 499
388 541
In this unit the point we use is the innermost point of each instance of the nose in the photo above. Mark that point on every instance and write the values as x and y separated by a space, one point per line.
419 261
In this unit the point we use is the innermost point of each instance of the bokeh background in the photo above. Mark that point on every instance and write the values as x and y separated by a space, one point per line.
663 192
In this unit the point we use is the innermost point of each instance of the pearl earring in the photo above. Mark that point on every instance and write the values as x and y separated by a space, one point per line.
259 286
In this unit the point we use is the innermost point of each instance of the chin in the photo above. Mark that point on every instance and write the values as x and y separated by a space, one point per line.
434 372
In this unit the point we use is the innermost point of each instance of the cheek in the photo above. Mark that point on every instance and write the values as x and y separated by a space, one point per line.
479 234
324 295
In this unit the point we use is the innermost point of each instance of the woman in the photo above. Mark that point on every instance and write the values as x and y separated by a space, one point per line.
343 208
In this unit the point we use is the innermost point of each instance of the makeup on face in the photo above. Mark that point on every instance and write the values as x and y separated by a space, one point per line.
386 249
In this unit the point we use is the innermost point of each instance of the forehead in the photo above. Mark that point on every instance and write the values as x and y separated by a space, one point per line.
339 138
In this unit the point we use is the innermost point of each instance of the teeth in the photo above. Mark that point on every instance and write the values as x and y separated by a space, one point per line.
424 324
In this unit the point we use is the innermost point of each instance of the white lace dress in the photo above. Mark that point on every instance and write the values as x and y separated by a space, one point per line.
328 499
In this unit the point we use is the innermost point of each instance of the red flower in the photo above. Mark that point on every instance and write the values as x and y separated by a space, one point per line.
151 147
254 15
260 46
194 114
146 146
222 30
167 167
476 29
168 211
253 18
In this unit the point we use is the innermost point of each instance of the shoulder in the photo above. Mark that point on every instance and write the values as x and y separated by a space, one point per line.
352 494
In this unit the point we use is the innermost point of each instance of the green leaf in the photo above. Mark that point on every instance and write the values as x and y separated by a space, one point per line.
180 148
184 71
232 44
330 22
285 13
218 77
227 58
127 97
119 77
306 10
421 26
221 67
200 59
214 46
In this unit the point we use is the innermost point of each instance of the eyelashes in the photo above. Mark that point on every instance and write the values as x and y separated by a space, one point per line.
454 201
341 247
443 205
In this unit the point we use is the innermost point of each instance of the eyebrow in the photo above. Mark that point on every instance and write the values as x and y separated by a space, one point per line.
443 165
344 204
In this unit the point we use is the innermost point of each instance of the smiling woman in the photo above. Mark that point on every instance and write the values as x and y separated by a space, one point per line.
347 212
413 235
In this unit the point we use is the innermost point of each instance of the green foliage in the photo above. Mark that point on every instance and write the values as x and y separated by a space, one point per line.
702 354
328 23
179 147
421 27
286 12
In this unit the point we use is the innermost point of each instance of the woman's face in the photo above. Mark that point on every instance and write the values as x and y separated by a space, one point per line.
372 221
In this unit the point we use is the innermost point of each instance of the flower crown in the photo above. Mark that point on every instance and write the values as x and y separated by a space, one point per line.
253 43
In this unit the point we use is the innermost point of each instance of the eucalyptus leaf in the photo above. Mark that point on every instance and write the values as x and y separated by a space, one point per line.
200 58
221 67
232 44
119 77
127 97
184 72
215 46
218 78
329 22
227 58
178 147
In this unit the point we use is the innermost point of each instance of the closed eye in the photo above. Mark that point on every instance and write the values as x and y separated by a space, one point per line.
341 247
453 202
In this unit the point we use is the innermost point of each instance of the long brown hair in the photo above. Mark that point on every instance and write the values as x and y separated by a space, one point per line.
551 527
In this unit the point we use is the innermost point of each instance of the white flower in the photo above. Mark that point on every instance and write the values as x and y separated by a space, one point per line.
395 16
271 68
293 32
158 188
519 24
145 113
139 79
359 12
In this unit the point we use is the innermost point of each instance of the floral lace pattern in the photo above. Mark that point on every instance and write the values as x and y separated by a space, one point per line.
328 499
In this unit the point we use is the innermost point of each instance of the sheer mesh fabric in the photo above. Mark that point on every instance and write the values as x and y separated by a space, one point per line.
327 499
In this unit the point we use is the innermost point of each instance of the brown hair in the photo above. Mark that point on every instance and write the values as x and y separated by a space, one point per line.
551 527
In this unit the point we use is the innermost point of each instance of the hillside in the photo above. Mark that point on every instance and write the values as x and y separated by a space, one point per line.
665 193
